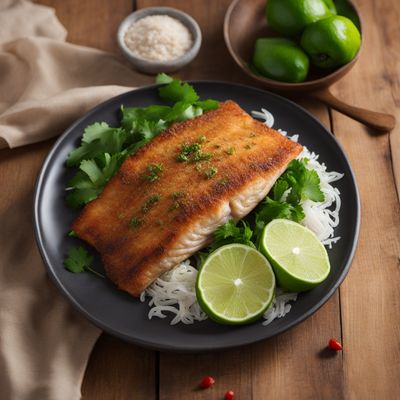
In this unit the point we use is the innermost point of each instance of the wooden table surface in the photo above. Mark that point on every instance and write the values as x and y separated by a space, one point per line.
364 313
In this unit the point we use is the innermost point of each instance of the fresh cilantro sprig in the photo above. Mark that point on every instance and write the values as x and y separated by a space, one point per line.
296 185
232 232
103 148
79 260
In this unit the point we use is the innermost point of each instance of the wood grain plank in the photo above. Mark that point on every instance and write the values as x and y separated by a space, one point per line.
119 371
269 369
116 370
387 15
91 23
369 296
294 365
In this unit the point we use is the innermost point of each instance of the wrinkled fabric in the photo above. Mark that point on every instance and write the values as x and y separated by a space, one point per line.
45 84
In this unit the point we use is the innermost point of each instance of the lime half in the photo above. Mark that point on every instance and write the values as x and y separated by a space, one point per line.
299 259
235 285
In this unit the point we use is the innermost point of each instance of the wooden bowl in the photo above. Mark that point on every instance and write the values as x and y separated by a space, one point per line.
245 22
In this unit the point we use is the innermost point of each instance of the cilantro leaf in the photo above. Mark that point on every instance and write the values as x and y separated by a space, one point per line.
178 91
230 232
91 169
311 187
271 209
93 174
279 189
95 131
98 139
103 148
207 105
80 197
304 183
163 78
296 185
78 260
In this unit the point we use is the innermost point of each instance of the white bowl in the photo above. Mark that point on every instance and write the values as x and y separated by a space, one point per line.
154 67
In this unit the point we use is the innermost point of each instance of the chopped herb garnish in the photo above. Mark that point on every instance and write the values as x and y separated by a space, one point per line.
252 135
153 172
247 147
223 181
217 146
135 222
192 152
230 151
150 202
182 158
187 150
198 167
177 195
174 206
202 156
72 234
201 139
210 172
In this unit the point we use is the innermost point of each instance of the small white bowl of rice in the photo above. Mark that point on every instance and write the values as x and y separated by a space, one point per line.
159 39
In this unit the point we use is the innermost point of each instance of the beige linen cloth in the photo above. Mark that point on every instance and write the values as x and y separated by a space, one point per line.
45 84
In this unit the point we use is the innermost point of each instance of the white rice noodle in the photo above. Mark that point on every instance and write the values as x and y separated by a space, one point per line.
175 292
265 115
280 306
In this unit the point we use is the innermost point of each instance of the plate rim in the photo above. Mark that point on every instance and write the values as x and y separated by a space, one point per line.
167 347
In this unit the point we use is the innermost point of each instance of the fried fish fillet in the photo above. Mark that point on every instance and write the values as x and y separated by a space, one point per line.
166 200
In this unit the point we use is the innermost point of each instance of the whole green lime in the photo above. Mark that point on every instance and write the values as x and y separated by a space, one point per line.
331 42
280 59
290 17
331 6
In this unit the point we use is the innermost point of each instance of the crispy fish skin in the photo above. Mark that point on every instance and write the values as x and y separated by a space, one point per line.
144 228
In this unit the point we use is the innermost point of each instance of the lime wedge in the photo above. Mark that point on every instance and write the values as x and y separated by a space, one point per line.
235 285
299 259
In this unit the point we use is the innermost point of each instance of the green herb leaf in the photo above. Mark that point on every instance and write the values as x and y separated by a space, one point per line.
210 172
154 171
78 260
178 91
231 232
150 202
95 131
304 183
103 148
135 222
163 78
311 187
207 105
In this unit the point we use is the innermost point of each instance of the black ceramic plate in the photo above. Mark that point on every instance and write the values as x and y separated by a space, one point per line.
124 316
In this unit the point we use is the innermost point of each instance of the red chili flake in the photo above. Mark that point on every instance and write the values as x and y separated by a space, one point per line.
207 381
335 345
229 395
